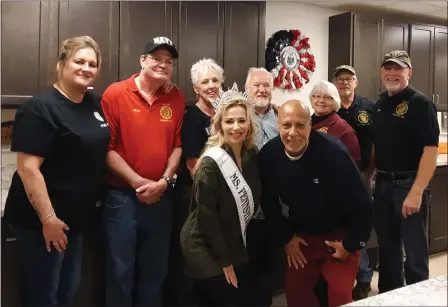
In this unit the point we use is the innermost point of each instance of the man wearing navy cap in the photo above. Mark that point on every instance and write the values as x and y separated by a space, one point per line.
144 114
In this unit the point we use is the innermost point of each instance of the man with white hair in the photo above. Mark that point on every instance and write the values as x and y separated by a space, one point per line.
267 260
260 83
405 136
303 169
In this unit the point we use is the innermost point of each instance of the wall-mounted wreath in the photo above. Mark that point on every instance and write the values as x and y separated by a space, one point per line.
289 59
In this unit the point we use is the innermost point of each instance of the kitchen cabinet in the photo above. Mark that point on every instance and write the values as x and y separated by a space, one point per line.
361 40
438 212
232 33
24 69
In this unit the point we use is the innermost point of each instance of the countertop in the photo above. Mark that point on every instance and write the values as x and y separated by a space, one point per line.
432 292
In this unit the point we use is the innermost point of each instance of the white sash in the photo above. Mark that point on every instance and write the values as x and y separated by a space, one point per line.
237 185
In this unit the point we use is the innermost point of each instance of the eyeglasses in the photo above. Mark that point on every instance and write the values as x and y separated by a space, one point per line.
319 97
168 63
348 80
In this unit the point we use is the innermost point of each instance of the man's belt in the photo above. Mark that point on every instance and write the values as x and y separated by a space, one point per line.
392 176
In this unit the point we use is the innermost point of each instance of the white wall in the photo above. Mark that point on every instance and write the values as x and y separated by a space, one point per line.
312 21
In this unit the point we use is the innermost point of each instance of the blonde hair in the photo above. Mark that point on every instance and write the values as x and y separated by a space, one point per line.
203 66
329 89
216 134
71 45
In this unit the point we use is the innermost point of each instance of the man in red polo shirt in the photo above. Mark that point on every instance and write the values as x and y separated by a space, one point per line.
144 114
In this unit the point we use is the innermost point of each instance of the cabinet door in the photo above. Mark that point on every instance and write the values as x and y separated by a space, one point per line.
340 41
421 52
367 56
243 40
140 21
98 19
201 36
438 236
395 37
21 59
440 68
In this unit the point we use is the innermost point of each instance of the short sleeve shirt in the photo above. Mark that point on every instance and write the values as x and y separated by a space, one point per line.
73 139
403 125
194 134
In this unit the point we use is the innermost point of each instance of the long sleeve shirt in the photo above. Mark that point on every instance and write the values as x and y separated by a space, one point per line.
324 191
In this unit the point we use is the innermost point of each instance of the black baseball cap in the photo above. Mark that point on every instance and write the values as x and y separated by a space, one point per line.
161 42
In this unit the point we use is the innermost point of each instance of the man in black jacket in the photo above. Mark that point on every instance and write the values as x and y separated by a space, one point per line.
326 225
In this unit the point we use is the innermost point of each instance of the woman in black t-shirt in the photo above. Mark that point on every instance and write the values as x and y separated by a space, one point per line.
207 78
61 140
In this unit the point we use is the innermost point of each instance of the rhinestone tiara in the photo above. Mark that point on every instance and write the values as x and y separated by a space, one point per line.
230 95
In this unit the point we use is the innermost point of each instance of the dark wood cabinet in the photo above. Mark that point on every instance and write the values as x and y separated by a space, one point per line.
206 18
429 45
100 20
243 41
24 69
422 48
440 68
438 212
232 33
362 40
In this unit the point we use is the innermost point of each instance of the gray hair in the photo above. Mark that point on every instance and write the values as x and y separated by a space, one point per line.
204 65
329 89
259 69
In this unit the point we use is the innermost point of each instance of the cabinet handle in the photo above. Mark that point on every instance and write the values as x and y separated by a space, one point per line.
438 98
433 98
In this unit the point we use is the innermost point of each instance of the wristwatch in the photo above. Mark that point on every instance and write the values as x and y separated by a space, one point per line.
167 179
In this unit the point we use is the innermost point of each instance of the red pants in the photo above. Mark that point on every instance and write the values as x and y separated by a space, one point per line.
340 275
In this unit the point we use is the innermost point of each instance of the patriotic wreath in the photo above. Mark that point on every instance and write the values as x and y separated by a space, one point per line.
289 59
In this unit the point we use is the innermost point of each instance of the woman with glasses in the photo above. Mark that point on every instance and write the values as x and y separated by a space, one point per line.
325 100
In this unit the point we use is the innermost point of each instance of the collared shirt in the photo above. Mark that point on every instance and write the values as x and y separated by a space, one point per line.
403 124
360 117
143 135
267 127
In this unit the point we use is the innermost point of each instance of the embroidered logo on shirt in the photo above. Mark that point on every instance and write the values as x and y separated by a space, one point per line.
362 244
316 180
98 116
166 113
401 109
136 110
323 129
208 131
363 117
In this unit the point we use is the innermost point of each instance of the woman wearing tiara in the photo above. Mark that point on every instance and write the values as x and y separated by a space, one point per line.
225 196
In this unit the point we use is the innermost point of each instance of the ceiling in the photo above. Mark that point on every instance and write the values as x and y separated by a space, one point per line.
434 8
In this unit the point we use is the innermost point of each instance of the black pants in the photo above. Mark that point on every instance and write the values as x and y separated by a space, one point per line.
268 260
394 231
215 291
176 289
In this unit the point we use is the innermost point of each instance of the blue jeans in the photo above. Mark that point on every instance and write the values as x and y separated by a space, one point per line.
394 231
365 273
50 278
137 238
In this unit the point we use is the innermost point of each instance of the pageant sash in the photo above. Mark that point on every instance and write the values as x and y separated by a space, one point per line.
237 185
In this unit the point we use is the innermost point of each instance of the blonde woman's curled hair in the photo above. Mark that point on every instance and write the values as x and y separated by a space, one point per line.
216 132
71 45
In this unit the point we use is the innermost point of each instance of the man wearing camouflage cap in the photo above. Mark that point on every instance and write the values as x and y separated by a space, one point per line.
405 135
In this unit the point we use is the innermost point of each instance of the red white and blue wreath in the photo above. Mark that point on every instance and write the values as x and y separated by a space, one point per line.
289 59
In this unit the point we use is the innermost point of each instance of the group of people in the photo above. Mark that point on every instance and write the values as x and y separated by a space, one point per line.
258 188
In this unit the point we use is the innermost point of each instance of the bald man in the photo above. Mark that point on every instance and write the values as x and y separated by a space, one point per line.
308 172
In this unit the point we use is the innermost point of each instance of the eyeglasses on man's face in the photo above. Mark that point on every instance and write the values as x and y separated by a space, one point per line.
345 80
159 61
